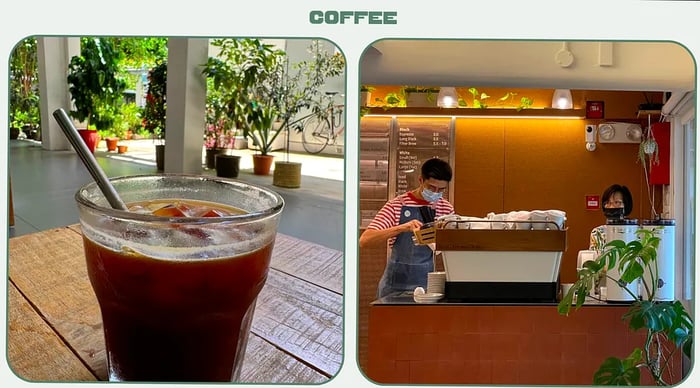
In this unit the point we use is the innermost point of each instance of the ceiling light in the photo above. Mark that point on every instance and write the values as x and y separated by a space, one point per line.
447 97
562 99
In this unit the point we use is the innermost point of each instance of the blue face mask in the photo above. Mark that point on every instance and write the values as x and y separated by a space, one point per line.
430 196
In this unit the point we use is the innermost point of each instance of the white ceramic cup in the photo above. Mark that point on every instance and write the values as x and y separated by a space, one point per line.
565 288
539 217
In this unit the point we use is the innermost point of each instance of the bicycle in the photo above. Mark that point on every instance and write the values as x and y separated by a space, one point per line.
322 127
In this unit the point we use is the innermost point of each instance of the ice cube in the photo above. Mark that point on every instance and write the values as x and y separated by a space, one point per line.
196 232
172 210
212 213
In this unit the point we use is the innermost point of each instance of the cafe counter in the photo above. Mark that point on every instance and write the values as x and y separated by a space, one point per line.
495 343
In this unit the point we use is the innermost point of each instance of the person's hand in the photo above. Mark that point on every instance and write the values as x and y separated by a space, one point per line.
411 225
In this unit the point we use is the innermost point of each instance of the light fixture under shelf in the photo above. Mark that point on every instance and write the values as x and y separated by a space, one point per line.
447 97
561 99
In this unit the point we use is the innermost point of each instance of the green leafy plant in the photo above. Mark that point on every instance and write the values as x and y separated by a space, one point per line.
236 71
669 328
648 152
367 88
154 110
94 82
479 99
24 85
127 119
293 87
393 100
430 92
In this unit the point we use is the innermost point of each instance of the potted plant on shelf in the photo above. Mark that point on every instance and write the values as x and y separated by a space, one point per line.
236 73
417 96
154 110
393 100
366 95
669 327
95 86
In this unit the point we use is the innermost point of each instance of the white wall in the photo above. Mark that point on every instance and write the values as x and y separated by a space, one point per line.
646 66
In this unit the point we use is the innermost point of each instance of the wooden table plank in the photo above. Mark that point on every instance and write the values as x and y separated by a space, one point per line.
49 268
302 319
312 262
265 363
31 336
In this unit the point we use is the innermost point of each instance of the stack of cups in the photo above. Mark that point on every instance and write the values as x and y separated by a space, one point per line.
436 282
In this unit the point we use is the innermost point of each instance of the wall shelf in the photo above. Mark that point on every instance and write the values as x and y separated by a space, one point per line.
479 112
647 113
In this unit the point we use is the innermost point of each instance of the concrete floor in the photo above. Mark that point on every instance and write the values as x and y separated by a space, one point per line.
44 183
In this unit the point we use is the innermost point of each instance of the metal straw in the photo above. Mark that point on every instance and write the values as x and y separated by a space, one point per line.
88 160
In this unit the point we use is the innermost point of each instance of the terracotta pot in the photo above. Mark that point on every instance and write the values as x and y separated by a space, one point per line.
262 164
111 143
122 149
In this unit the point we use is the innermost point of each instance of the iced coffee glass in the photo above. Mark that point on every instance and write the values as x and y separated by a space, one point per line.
177 277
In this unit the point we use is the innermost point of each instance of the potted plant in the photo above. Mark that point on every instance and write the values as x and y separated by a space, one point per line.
394 99
294 87
668 326
236 73
366 95
648 152
219 130
24 90
154 110
95 86
219 138
417 96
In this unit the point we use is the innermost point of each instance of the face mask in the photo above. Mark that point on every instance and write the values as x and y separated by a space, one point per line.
614 212
430 196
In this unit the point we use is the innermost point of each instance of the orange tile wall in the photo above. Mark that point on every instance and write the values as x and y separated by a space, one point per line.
524 345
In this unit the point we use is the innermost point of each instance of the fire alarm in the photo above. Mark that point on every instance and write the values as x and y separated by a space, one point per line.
592 202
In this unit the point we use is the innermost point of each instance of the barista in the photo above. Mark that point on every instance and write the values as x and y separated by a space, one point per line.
409 264
616 203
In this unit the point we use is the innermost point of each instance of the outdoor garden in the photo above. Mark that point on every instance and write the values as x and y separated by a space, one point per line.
118 89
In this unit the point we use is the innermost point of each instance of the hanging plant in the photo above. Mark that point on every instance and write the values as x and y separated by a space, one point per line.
648 149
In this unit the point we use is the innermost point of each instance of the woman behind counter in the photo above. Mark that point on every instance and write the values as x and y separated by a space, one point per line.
616 203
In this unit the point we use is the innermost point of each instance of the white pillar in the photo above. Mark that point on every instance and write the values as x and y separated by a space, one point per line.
53 56
185 112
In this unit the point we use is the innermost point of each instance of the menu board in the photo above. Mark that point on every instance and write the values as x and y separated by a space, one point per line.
419 139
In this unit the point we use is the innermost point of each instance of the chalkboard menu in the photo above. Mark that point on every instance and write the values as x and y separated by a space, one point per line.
419 139
392 149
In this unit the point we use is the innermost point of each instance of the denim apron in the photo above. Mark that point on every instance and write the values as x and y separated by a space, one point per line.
409 264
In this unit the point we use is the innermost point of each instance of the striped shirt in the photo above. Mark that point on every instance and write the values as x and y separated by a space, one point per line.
390 214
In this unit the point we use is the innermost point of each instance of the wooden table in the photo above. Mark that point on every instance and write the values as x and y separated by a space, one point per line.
55 328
